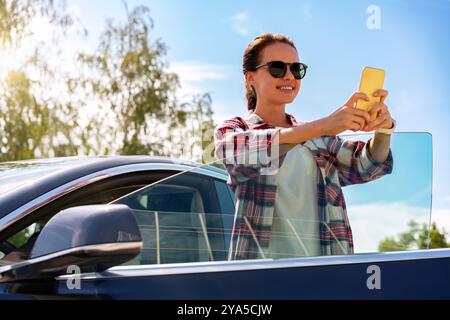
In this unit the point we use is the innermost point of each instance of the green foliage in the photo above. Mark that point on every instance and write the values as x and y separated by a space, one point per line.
390 244
16 15
30 126
415 238
127 76
32 122
21 237
437 238
120 100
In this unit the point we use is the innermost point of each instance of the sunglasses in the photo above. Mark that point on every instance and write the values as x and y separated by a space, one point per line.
278 69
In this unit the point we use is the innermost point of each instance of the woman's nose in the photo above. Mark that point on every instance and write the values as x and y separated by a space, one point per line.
289 75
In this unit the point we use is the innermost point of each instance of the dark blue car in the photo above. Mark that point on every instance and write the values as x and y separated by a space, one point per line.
142 227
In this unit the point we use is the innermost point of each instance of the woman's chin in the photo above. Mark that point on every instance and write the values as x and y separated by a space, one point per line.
287 97
286 100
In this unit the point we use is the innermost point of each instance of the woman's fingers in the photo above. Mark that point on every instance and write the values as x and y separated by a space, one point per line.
353 125
354 97
378 108
383 124
377 122
360 113
381 93
355 119
359 121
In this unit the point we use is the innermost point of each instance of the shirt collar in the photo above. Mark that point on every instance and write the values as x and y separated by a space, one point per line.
254 118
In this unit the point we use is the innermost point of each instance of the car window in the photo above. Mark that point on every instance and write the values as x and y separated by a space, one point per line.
182 219
389 213
101 192
20 238
226 201
188 217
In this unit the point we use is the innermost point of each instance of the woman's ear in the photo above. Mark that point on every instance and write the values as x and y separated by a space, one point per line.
250 78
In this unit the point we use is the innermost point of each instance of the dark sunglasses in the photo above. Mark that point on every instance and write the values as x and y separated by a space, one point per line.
278 69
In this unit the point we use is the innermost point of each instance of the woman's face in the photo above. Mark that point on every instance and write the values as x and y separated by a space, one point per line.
268 88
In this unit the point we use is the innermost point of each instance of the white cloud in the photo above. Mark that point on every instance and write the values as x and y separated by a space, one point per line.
442 218
371 223
195 77
239 23
447 198
196 71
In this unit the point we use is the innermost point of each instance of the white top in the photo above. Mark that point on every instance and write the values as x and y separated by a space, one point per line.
295 207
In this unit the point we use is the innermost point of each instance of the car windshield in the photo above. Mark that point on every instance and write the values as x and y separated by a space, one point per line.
385 212
17 173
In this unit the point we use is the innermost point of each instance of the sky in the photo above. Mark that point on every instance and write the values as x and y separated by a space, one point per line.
206 41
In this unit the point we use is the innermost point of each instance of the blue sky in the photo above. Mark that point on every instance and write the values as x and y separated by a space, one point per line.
206 40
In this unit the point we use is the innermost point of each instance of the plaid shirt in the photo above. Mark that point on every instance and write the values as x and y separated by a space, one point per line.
341 162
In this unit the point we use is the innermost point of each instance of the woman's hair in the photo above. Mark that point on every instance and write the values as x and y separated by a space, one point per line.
252 59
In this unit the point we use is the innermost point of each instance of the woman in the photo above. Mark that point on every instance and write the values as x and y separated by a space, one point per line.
311 162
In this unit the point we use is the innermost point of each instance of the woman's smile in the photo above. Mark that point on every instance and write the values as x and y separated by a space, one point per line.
286 88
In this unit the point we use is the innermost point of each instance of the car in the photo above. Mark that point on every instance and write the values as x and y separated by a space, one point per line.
145 227
33 192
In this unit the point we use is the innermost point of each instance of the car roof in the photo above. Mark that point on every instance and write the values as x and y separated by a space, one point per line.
71 168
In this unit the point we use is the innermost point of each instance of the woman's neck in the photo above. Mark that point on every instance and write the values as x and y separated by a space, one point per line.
274 114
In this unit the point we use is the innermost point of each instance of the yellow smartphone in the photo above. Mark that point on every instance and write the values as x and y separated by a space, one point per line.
371 79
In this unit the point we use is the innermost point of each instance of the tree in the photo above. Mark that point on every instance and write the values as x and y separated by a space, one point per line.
120 99
415 238
32 122
135 95
437 238
30 126
15 17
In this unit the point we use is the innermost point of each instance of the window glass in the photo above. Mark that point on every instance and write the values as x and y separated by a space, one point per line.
181 220
102 192
361 205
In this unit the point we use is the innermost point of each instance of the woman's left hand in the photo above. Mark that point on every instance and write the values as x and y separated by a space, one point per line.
383 119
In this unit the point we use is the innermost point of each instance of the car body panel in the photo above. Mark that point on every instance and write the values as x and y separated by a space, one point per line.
340 277
17 197
329 277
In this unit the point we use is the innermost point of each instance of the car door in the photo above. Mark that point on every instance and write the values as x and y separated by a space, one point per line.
205 191
185 229
21 233
186 218
185 249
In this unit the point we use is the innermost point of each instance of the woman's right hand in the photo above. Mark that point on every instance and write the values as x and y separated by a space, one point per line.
347 117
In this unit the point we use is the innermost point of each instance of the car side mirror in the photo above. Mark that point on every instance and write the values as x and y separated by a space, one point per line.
93 237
